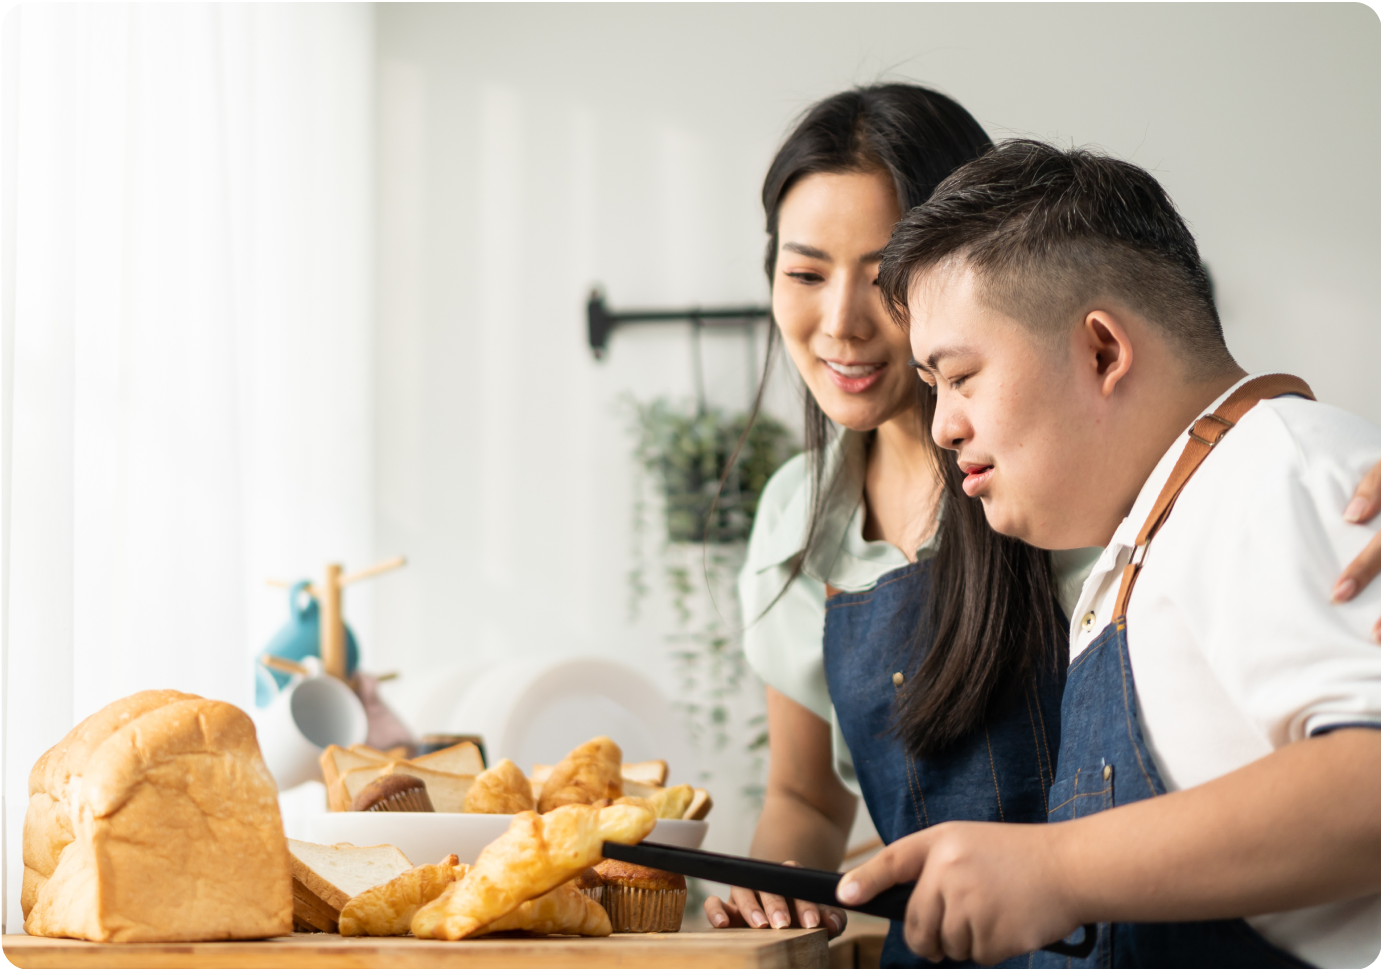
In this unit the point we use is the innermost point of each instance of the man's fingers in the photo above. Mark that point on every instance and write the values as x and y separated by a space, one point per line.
1366 500
807 914
1359 572
923 915
718 913
900 861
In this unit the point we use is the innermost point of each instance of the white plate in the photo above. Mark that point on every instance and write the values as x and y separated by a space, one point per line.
426 838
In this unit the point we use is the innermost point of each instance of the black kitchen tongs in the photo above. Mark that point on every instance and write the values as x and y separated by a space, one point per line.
807 884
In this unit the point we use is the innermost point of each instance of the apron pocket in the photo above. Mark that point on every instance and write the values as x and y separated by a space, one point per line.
1087 791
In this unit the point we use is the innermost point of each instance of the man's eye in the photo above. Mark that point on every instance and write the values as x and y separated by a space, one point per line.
956 382
804 276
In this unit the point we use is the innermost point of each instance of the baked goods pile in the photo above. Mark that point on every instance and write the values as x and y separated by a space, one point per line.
156 820
538 877
525 881
361 778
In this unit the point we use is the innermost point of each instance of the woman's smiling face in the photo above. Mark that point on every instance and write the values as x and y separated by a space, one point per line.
831 229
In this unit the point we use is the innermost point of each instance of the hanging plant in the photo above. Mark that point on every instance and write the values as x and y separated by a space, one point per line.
683 452
686 452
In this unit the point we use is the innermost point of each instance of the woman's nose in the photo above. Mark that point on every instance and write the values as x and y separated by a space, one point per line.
847 307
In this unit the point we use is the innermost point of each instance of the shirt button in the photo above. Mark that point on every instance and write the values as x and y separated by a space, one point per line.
1107 772
1089 618
898 679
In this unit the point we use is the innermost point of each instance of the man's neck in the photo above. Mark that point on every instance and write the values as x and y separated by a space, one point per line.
1160 421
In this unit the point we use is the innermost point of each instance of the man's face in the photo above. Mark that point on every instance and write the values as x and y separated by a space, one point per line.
1011 407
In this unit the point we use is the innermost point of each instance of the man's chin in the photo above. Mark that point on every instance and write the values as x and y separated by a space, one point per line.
1002 520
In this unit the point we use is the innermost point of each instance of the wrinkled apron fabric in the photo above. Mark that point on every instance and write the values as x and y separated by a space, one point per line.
1103 762
1002 772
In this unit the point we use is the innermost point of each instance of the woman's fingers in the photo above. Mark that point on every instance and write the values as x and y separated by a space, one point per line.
1366 500
721 914
749 907
778 910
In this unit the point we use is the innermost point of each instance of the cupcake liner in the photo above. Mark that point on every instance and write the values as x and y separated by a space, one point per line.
595 892
413 800
644 909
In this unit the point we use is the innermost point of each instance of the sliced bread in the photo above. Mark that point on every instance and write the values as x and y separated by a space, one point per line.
325 877
446 791
462 758
336 762
653 772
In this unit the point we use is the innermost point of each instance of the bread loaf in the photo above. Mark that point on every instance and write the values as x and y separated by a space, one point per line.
156 820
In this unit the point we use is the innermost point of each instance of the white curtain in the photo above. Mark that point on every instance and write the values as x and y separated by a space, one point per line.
186 201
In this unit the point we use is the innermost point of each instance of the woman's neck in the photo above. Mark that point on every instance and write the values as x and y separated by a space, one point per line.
901 488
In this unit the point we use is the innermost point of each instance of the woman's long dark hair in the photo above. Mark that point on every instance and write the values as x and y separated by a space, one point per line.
990 620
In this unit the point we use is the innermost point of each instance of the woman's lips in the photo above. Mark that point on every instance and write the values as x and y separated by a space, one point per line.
976 479
854 378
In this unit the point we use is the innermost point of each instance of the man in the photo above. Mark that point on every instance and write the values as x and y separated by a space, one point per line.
1219 775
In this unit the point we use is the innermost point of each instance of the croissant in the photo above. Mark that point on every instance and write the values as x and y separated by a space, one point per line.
388 909
536 853
502 789
565 910
592 771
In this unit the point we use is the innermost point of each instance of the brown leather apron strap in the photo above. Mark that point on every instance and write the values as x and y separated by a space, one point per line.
1204 434
831 591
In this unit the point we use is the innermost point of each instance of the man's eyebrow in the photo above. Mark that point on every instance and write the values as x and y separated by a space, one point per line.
931 363
875 256
810 252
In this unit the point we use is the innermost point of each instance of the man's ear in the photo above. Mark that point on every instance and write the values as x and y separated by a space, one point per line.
1106 345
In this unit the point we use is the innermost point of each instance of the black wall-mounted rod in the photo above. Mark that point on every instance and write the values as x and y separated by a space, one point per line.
602 321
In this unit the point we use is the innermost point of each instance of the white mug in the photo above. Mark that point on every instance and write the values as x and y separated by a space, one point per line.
309 714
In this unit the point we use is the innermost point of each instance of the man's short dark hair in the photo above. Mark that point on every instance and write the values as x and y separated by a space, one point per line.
1049 233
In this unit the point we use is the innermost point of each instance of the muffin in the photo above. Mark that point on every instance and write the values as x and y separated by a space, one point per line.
394 792
641 899
589 882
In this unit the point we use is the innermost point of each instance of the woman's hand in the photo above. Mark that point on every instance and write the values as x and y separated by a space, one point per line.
1366 502
758 910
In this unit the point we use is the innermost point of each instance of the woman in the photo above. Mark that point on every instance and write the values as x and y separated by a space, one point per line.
935 692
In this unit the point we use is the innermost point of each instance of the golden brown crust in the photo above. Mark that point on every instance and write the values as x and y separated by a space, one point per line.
502 789
174 832
388 909
536 853
628 875
590 772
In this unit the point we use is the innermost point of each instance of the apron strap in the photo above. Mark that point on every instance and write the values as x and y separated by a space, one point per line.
1204 434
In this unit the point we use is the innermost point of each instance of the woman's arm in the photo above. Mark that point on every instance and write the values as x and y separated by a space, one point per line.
806 817
1366 502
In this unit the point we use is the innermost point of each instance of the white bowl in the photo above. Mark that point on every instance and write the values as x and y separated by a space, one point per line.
428 837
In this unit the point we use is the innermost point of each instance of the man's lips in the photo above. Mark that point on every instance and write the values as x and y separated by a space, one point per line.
976 478
853 378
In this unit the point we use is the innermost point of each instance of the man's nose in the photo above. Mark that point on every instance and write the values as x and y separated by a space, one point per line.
948 427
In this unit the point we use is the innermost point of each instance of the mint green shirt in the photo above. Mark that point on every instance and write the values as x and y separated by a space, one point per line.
784 640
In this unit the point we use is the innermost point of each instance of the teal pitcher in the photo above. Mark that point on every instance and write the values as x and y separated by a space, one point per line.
299 638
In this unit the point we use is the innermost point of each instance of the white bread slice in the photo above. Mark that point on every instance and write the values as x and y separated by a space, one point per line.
699 806
446 791
462 758
336 762
374 753
333 874
636 789
653 772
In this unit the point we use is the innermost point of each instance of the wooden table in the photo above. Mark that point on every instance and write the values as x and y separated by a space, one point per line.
722 949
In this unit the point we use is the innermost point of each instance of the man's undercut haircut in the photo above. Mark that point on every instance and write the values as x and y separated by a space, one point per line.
1050 234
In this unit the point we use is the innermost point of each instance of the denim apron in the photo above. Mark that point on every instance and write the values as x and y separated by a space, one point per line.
1000 773
1104 760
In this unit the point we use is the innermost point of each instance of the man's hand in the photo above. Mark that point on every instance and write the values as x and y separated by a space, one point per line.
984 891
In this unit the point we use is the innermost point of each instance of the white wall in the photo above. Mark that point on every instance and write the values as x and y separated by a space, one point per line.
528 151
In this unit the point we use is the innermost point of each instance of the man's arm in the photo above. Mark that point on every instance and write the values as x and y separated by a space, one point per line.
1296 828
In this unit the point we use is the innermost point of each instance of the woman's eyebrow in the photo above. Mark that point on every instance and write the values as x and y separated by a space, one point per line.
810 252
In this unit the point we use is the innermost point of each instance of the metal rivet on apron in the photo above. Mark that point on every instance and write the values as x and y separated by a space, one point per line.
1107 772
1088 620
898 679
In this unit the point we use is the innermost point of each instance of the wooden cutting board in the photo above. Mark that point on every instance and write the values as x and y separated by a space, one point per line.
721 949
